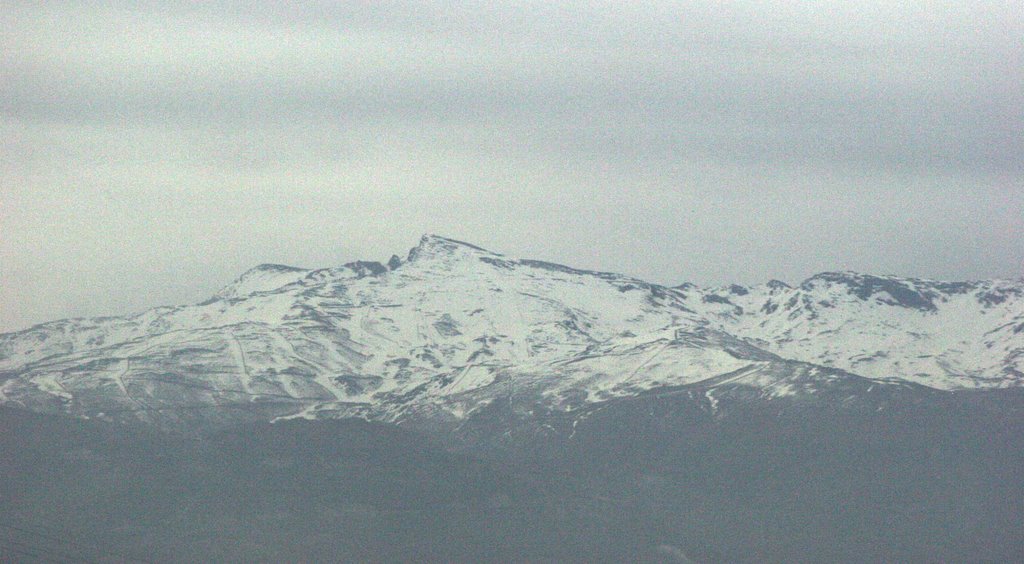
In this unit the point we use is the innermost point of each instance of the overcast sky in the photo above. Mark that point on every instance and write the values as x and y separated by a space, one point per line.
151 152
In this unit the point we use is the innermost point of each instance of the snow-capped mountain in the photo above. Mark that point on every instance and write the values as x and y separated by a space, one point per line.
946 335
454 328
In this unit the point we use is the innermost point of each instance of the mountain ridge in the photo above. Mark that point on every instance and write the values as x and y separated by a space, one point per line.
455 327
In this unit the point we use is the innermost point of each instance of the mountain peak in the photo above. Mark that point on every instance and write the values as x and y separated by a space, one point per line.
890 290
437 246
271 268
262 278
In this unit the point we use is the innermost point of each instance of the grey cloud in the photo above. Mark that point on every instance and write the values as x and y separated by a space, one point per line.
769 139
597 80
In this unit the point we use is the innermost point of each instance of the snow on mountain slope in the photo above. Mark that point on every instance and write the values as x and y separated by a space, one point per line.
454 327
947 335
263 278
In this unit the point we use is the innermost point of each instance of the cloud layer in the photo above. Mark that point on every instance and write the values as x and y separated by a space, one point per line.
149 152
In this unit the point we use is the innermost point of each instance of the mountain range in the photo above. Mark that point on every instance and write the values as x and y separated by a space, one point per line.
458 405
453 328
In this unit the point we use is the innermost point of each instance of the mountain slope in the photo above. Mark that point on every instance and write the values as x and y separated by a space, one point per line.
948 335
454 328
